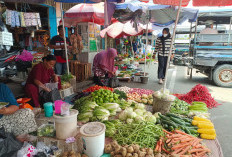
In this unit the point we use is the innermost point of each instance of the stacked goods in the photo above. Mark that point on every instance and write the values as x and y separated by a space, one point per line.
136 114
172 122
180 107
144 134
144 98
199 93
103 96
134 150
198 109
206 128
180 143
96 87
65 81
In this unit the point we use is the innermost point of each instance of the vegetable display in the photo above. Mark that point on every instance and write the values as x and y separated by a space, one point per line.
114 149
46 130
180 107
199 93
198 109
96 87
206 128
145 134
102 96
122 95
180 143
172 121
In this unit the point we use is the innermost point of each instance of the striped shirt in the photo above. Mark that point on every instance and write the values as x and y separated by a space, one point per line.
159 47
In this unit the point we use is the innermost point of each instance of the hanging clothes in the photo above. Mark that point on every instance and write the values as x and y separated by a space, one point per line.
15 19
38 20
8 17
22 20
27 17
33 19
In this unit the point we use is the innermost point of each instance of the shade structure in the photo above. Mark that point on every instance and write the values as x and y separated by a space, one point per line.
118 29
195 2
85 13
159 15
25 1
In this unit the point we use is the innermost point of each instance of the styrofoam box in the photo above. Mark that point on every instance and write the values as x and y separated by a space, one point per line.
66 92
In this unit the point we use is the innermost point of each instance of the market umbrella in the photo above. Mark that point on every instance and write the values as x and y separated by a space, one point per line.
85 13
118 30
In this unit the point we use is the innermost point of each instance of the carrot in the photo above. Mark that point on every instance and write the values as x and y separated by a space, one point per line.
180 145
184 151
167 132
202 153
182 133
195 150
165 150
177 151
177 135
157 146
160 145
168 140
187 139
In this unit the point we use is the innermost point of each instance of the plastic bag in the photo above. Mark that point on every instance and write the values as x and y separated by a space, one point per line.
27 151
9 145
65 107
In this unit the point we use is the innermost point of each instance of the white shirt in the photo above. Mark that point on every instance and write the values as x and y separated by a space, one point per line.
209 31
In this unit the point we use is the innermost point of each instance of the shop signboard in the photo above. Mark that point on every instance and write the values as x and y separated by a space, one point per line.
6 38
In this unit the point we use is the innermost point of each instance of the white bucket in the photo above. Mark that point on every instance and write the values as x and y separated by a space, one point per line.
93 137
66 126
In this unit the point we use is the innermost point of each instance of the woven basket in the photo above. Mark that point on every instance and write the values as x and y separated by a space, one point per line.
162 106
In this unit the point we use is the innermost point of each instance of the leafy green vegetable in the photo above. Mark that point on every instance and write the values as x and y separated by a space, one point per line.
66 77
122 95
180 107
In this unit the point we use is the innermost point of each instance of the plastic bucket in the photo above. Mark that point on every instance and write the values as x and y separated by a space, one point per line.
57 105
144 79
93 137
66 126
48 109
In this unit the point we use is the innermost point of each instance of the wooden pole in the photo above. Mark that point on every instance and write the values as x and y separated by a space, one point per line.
173 38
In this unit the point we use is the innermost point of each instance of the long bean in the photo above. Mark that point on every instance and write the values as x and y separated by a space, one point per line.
144 134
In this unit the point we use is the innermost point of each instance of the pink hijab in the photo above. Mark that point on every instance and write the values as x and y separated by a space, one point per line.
106 58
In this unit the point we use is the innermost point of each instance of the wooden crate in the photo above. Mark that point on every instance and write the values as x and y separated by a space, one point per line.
82 71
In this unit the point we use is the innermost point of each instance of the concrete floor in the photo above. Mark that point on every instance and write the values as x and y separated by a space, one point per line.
179 82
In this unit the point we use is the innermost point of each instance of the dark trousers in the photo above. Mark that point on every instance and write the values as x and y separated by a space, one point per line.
162 66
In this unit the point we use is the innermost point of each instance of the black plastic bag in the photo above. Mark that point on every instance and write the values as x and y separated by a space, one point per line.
51 96
23 65
9 146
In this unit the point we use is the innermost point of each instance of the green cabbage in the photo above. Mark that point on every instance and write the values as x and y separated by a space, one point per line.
139 106
101 113
139 112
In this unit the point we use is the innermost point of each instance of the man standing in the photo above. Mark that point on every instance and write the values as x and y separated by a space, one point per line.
57 43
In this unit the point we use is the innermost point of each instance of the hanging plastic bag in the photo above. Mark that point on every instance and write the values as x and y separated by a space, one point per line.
27 151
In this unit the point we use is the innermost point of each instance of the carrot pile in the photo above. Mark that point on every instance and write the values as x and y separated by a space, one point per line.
180 143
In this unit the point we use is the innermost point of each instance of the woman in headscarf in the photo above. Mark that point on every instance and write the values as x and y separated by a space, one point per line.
103 64
163 45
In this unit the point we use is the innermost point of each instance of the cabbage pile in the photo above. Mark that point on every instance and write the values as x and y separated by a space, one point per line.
137 114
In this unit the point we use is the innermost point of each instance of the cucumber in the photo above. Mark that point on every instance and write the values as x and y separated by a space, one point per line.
173 115
163 117
192 131
187 131
192 127
158 121
165 126
177 121
171 128
188 124
169 123
187 120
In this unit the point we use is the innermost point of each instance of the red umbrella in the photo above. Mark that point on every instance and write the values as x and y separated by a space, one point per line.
195 2
85 13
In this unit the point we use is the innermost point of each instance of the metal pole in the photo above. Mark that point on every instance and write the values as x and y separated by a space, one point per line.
65 44
146 50
132 49
170 51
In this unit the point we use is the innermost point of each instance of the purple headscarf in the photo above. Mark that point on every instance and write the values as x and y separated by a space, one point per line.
106 59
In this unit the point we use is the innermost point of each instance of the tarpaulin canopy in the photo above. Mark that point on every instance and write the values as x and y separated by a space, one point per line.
85 13
159 15
195 2
118 30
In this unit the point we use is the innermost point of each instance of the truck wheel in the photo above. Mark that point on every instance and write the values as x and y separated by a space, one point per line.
222 75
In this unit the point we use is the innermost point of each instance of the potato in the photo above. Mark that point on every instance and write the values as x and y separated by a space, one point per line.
112 154
114 144
118 149
118 156
143 150
108 148
78 155
130 149
72 152
175 155
123 152
128 155
141 154
73 155
136 148
135 155
158 155
149 151
148 155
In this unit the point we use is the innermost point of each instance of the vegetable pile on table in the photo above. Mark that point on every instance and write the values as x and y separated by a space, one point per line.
180 107
96 87
65 81
199 93
180 143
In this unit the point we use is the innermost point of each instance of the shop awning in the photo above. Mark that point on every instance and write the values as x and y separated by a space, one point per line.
195 2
